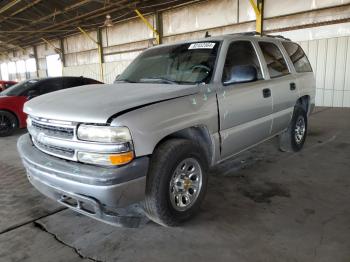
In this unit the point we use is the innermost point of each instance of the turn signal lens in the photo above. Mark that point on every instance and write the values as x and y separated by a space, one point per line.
121 159
106 159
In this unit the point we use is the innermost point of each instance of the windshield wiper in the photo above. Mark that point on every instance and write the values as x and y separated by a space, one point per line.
155 80
159 80
124 81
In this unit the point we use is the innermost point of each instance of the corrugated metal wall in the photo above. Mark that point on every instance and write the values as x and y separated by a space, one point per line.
330 59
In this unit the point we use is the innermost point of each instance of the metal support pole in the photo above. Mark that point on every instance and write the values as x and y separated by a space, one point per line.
63 57
159 26
148 25
99 48
99 40
36 60
259 13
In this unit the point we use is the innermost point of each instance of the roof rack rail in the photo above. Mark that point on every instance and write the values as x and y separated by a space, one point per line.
278 36
254 33
249 33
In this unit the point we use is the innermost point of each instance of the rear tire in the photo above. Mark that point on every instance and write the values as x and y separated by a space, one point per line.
8 123
293 139
176 182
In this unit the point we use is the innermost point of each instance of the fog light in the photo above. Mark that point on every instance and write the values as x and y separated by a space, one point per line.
106 159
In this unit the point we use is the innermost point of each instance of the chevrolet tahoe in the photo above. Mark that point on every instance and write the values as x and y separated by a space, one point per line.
176 111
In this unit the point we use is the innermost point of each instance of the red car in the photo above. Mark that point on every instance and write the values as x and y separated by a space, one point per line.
6 84
13 98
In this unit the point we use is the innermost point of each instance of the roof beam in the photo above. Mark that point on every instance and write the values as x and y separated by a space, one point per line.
66 9
31 32
21 10
9 5
85 17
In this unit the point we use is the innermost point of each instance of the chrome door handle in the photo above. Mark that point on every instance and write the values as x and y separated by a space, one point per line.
266 92
292 86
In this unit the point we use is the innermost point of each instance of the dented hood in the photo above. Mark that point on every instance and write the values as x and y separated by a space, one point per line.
97 103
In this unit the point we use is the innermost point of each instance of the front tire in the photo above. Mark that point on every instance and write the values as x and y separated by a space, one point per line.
176 182
8 123
293 139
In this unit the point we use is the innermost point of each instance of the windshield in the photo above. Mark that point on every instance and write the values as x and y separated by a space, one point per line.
189 63
19 89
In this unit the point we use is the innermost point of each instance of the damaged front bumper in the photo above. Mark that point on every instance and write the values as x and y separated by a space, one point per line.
107 194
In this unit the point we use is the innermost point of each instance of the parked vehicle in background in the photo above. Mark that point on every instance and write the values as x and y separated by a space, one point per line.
13 98
6 84
176 110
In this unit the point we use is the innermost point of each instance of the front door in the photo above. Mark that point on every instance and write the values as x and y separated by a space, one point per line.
245 108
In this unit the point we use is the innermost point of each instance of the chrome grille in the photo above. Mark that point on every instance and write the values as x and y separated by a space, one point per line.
58 138
43 131
53 131
55 150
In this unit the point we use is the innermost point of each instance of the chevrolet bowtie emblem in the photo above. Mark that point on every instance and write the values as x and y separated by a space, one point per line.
41 138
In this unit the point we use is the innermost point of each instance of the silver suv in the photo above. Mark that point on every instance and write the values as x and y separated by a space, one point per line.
149 139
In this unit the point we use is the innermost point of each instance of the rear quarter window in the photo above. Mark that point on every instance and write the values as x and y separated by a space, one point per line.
276 64
299 59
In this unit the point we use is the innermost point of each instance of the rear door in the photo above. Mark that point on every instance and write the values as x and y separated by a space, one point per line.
245 108
305 78
282 83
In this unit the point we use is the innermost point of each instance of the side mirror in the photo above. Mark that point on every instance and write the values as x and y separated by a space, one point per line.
241 74
32 94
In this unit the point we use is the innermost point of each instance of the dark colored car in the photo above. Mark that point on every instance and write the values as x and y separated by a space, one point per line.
13 98
6 84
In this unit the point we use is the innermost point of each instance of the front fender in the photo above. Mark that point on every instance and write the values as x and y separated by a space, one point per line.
150 124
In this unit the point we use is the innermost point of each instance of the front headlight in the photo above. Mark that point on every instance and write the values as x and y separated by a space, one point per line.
104 134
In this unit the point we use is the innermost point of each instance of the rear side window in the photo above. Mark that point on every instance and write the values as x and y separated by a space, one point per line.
276 64
298 57
241 53
8 85
89 81
73 81
50 85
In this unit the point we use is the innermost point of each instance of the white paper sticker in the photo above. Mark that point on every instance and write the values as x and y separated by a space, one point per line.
205 45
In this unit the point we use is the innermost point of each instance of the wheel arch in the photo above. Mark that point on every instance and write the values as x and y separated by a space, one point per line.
13 113
304 103
199 134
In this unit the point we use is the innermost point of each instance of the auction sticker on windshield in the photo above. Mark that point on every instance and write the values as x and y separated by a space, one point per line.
205 45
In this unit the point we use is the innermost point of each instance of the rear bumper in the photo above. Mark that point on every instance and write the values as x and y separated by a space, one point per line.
98 192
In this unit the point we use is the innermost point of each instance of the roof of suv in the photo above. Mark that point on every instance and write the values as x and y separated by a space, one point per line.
252 35
247 35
